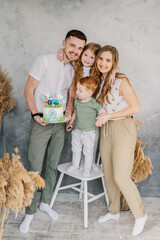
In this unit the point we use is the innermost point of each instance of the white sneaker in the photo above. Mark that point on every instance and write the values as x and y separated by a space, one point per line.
108 216
95 167
139 225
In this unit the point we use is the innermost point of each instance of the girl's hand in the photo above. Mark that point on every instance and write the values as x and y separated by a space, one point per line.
113 76
60 54
69 127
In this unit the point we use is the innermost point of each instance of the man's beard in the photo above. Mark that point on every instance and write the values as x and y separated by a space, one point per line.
76 56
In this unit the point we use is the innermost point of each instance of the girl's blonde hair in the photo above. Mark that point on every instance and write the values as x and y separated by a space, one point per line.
78 67
107 87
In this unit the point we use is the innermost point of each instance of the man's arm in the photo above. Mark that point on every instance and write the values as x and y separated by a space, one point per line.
30 87
70 105
70 124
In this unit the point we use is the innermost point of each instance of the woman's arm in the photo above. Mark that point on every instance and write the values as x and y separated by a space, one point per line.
129 95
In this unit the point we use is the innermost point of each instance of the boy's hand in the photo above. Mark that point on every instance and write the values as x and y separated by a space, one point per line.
98 123
69 127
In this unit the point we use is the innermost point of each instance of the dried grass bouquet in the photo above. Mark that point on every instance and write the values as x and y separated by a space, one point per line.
6 100
142 167
17 186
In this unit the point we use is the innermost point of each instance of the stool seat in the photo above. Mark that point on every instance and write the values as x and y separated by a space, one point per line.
81 186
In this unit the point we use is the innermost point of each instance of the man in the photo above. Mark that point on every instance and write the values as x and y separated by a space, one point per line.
49 75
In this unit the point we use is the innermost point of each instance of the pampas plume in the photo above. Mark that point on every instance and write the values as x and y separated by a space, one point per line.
17 186
142 167
6 100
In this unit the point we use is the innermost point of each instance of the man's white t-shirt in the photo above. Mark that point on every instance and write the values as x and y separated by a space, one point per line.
53 77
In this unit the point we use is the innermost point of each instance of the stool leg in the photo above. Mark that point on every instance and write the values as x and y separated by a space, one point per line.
85 205
81 188
56 190
105 191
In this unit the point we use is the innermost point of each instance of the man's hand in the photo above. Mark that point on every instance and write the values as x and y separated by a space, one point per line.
38 120
68 115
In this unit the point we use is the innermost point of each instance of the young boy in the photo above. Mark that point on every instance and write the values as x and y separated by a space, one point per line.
85 113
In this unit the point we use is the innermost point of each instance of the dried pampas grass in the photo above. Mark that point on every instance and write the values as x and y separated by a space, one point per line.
142 167
6 100
17 186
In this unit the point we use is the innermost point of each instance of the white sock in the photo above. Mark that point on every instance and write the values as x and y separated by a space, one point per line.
46 208
81 165
24 227
139 225
71 168
95 167
108 216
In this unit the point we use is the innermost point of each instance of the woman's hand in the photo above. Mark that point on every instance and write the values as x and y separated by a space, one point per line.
102 120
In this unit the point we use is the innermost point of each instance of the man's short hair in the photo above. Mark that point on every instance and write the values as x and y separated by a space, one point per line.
77 34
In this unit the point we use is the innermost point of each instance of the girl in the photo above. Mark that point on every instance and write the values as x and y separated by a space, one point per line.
118 138
84 65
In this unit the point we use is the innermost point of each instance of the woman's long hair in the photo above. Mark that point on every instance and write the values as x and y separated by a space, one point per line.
78 67
106 86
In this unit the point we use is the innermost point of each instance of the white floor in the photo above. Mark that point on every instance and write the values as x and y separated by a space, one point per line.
69 226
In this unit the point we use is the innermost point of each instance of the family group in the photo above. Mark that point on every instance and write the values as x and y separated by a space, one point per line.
98 97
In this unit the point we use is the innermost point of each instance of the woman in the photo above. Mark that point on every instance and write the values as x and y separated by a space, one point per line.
118 138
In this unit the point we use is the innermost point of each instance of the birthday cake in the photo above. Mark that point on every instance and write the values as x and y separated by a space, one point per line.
53 108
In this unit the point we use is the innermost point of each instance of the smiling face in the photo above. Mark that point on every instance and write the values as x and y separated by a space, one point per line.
105 63
73 47
88 58
83 93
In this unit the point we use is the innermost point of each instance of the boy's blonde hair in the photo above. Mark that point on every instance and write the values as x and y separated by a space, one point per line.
89 82
78 67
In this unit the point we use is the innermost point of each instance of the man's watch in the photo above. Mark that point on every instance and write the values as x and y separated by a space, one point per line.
36 114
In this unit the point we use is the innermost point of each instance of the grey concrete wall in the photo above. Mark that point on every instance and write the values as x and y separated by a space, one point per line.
34 27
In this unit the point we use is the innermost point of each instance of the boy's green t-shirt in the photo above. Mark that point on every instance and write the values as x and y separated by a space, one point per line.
86 114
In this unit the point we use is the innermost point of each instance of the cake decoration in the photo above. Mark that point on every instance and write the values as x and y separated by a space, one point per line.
53 108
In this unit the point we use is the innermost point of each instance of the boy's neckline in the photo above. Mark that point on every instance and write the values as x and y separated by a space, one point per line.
86 100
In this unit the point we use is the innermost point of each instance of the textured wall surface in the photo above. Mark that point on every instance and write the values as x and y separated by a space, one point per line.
31 28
